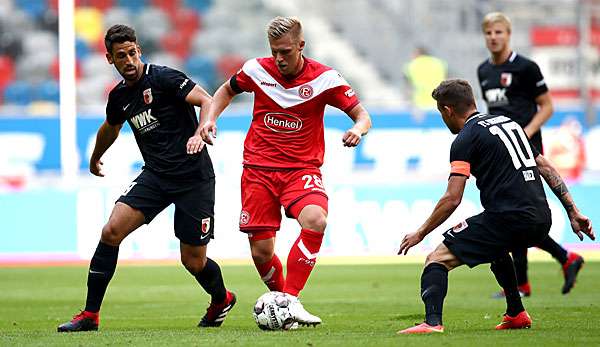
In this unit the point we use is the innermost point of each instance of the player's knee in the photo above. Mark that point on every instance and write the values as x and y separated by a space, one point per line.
111 235
436 257
316 221
194 264
261 255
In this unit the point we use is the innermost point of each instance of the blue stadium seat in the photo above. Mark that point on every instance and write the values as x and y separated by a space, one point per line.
47 91
18 93
34 8
199 5
81 48
201 66
133 5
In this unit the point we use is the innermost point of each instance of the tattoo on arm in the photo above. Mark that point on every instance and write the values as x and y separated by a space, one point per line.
559 188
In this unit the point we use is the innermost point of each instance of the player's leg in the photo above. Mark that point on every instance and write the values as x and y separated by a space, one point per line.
521 266
194 227
571 262
434 286
270 269
138 205
123 220
260 219
515 317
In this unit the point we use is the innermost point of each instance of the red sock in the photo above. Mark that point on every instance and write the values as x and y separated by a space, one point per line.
271 273
301 260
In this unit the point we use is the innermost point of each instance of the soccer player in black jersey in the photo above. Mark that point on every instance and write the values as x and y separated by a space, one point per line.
158 103
513 86
497 152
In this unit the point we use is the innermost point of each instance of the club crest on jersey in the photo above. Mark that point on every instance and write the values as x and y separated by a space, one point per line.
244 217
305 91
460 227
148 96
506 79
205 225
282 122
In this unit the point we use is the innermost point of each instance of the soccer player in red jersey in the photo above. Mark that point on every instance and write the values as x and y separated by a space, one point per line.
283 151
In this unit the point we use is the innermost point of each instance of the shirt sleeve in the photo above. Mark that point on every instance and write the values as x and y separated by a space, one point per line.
535 80
175 82
114 115
343 96
460 156
241 82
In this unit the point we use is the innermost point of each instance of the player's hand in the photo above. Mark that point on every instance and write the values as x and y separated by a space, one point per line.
96 167
409 241
351 138
580 225
208 131
195 144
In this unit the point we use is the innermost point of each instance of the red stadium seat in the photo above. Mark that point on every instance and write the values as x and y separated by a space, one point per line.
186 22
169 6
176 44
7 71
229 64
101 5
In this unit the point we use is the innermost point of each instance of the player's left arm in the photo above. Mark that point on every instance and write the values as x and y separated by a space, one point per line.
443 209
198 97
580 224
545 109
362 124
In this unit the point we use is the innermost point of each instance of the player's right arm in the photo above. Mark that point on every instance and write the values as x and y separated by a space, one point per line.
106 136
580 224
222 98
443 209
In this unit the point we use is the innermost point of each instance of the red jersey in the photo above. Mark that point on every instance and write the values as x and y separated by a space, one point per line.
287 128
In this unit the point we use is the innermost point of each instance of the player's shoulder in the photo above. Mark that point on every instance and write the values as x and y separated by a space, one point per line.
484 65
524 62
117 90
159 71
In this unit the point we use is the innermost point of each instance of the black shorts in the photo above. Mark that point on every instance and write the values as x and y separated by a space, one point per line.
194 204
485 237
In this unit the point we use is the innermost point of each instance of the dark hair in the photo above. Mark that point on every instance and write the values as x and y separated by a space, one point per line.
118 33
456 93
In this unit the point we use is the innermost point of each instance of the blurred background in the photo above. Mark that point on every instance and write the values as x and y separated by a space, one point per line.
52 209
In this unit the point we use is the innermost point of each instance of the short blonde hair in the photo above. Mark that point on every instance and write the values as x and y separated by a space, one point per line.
496 17
280 26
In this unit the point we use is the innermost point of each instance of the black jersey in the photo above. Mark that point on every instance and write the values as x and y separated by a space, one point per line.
496 151
510 89
161 120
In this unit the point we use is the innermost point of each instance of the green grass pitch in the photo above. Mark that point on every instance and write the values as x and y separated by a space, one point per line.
361 305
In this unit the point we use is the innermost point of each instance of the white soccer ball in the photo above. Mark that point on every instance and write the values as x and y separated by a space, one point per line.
272 312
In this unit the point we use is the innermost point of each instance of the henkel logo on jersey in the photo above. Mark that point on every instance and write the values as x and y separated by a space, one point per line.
282 122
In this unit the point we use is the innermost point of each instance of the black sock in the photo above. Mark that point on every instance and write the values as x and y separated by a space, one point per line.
102 268
434 286
550 246
211 280
504 271
520 260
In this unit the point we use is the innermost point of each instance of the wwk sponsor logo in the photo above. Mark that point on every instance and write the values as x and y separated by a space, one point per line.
282 122
144 121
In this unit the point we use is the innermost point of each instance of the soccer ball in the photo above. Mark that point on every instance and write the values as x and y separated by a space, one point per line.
272 312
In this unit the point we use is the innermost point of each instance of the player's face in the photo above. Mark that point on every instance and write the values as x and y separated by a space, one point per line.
449 118
497 37
126 58
287 51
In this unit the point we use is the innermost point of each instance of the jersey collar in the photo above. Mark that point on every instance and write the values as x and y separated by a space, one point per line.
511 58
473 115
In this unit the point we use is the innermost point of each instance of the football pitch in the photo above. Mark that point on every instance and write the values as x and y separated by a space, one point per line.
361 305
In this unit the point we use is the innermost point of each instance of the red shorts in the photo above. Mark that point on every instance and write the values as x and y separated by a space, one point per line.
265 191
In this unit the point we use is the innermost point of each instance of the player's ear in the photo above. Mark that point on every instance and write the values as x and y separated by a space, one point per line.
109 58
301 45
139 48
